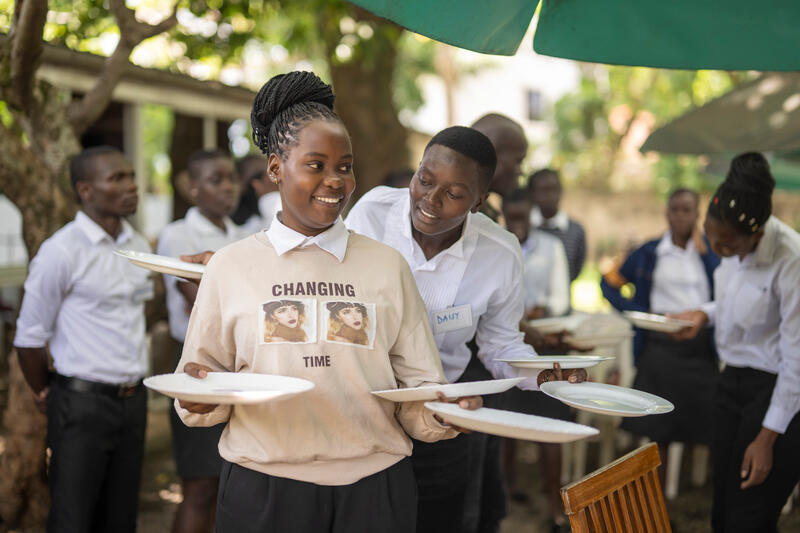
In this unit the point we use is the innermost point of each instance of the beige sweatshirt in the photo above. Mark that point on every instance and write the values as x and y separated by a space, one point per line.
338 432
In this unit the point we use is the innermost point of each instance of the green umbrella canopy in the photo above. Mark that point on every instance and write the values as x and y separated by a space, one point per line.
684 34
763 115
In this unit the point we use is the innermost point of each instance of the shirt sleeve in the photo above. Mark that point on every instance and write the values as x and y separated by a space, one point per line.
614 280
46 286
416 362
210 342
558 300
498 335
785 402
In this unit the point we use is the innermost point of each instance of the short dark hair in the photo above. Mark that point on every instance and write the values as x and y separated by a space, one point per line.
684 190
285 105
199 156
472 144
81 165
242 164
539 174
744 199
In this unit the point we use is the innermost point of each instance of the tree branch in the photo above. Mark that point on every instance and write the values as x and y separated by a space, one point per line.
84 112
26 48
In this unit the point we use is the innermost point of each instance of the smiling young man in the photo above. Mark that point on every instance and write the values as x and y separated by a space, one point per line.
87 304
214 190
465 265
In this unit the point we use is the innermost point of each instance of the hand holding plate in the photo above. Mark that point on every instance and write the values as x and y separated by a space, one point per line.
201 259
573 375
200 372
470 403
698 319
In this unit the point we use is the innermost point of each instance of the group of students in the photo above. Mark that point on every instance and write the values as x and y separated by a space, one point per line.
351 305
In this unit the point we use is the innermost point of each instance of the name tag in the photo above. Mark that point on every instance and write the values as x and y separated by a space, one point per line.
452 318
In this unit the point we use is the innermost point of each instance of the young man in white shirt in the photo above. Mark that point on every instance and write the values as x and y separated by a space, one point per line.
214 189
87 304
465 266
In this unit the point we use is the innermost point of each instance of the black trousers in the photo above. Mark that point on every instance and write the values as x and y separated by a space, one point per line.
97 444
252 502
741 401
441 470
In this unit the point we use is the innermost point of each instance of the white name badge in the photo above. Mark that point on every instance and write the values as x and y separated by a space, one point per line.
452 318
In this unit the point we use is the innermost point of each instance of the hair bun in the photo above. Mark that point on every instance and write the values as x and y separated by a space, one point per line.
282 92
750 172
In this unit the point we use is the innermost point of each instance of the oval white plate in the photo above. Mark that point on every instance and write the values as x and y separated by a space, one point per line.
451 390
512 425
654 322
566 361
228 387
607 399
163 264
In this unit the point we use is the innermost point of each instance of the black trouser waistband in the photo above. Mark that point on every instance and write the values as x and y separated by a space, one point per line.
123 390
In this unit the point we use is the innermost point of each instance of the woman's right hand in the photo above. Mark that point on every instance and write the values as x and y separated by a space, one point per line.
201 259
200 372
698 319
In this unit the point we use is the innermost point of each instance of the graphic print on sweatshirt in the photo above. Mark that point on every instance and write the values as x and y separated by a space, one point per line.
351 323
288 321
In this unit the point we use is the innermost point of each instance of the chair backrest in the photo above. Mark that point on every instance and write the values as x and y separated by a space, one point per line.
622 497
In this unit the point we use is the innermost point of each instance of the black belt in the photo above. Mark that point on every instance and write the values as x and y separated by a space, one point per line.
122 390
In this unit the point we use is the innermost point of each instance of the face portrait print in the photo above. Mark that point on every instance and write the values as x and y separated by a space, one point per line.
349 323
288 321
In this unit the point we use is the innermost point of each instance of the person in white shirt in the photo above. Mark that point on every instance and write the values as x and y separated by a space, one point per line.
213 187
546 286
669 275
756 314
87 304
260 199
469 272
546 190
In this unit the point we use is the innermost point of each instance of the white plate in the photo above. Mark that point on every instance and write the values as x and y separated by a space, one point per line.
452 390
511 425
588 342
556 324
607 399
228 387
566 361
163 264
655 322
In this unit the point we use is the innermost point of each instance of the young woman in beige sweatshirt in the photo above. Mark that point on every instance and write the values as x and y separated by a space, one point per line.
336 458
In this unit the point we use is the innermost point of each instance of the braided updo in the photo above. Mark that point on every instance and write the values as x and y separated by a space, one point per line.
744 199
284 105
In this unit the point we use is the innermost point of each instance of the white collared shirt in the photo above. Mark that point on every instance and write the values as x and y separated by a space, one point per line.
757 316
481 273
680 281
546 274
560 221
190 235
88 303
333 240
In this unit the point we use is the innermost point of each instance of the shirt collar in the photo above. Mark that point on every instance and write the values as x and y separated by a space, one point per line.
199 223
765 251
559 221
96 234
333 240
666 245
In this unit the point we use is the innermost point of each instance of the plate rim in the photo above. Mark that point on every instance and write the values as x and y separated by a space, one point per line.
573 403
306 384
516 380
178 264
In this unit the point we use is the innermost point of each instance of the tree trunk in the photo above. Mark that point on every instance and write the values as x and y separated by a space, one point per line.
364 101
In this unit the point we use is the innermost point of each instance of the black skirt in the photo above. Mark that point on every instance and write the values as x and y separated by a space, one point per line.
685 373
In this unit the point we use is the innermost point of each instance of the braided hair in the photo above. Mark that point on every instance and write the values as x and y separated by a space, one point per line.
284 105
744 199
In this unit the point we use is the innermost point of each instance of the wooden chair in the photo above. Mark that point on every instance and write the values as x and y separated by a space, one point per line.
624 496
